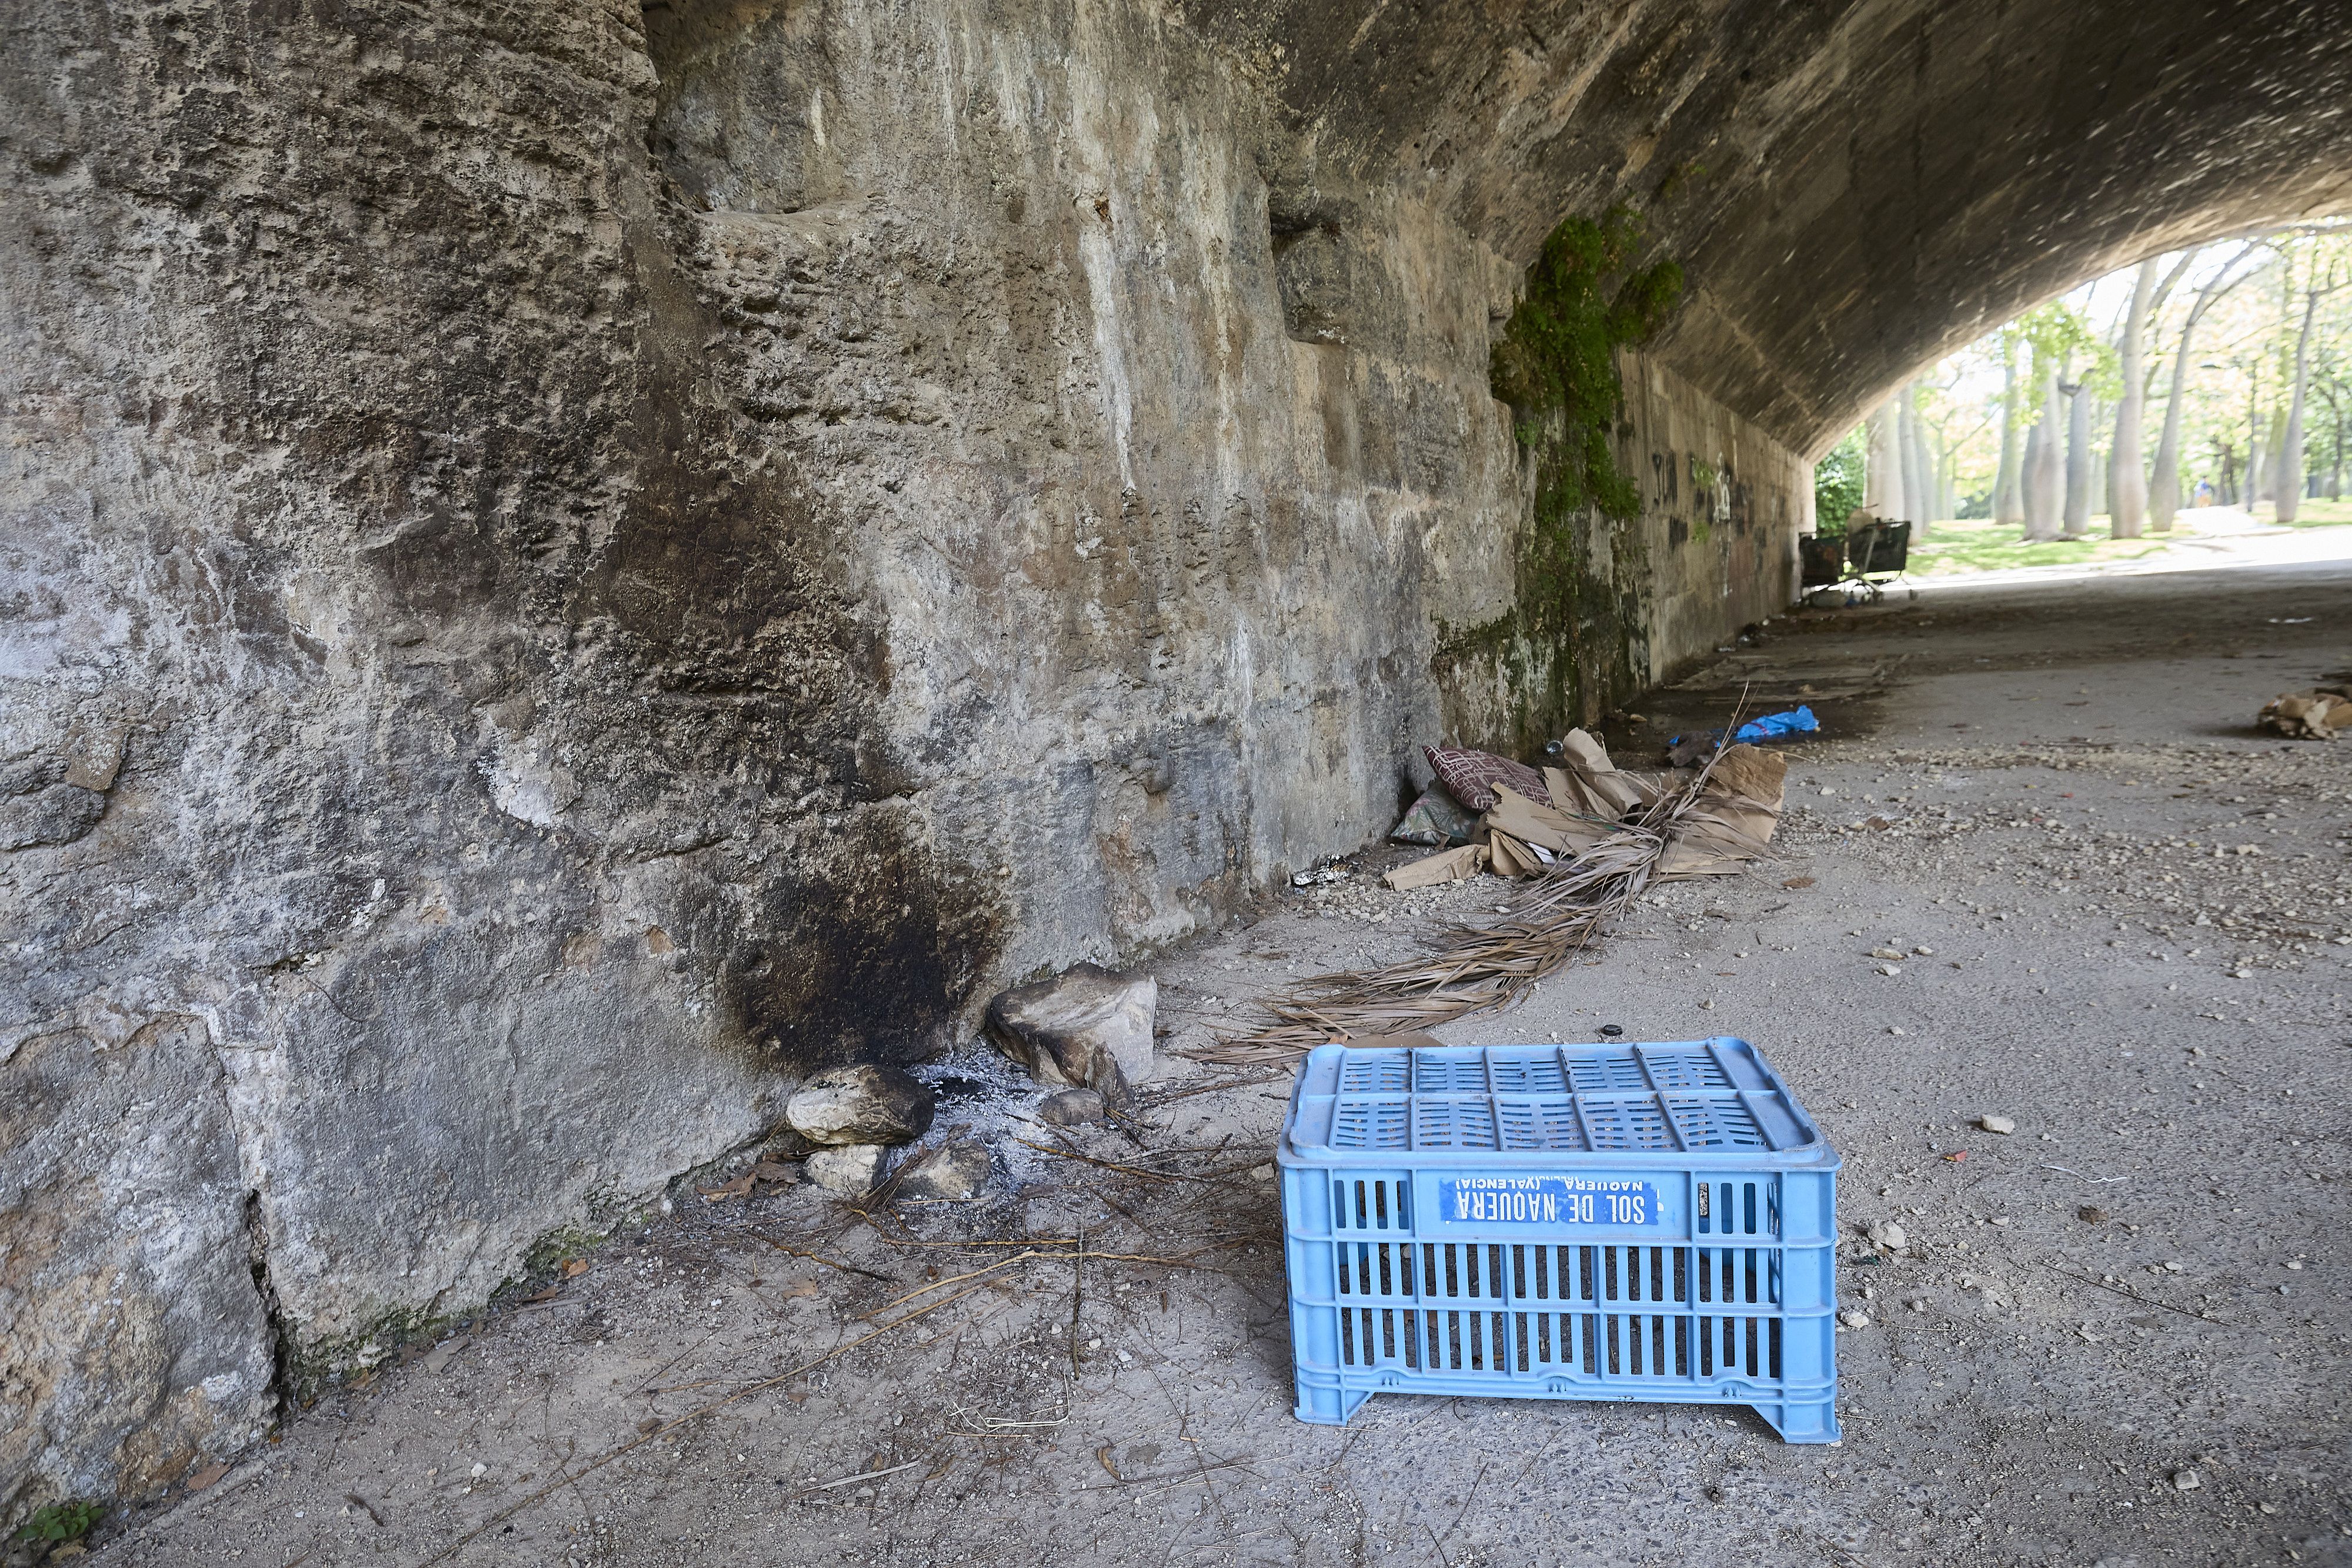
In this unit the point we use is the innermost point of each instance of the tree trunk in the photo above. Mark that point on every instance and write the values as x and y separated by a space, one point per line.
2078 460
2008 498
2290 490
2165 501
2103 483
2029 461
1882 474
1929 501
2164 485
2045 479
2130 482
2257 487
1918 498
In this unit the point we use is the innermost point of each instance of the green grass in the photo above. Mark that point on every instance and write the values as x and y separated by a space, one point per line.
2320 514
1953 548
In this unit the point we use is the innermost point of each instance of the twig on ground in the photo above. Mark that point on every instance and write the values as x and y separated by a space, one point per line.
1154 1102
1182 1479
860 1475
2100 1181
957 1278
2135 1295
820 1258
1145 1173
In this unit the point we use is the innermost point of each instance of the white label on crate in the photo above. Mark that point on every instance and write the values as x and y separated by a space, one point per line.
1546 1200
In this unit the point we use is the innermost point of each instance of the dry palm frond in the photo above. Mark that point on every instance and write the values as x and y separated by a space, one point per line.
1472 969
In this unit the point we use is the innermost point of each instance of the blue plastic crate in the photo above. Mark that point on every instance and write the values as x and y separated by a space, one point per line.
1651 1222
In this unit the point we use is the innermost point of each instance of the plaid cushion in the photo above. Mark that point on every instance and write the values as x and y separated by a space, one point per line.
1470 777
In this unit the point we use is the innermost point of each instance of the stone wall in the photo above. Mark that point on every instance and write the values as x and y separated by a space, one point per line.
562 567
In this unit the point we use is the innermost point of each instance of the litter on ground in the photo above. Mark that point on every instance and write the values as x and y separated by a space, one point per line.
1590 837
2314 715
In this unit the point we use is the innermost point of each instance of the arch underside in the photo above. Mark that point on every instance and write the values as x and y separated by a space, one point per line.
1853 189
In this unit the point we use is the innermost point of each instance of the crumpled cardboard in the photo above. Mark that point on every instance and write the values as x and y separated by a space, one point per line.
1458 864
1730 824
1733 820
2316 714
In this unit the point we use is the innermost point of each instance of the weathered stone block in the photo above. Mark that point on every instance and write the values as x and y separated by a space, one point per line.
848 1168
1086 1028
956 1173
862 1104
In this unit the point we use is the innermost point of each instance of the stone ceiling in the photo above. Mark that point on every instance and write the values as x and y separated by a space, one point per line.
1853 188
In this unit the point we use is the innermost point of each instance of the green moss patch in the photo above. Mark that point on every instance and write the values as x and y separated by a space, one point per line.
1568 641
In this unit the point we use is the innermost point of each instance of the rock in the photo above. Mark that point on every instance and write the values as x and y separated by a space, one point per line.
137 1341
1854 1318
1086 1028
2091 1214
2002 1124
852 1169
2187 1480
1262 1173
860 1105
1070 1108
1887 1233
958 1173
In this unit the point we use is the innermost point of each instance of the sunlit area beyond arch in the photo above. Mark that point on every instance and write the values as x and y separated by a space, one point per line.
2202 394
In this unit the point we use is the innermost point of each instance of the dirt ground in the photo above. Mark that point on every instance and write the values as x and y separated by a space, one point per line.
2126 925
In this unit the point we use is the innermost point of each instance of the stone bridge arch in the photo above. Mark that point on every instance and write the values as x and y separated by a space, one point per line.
563 564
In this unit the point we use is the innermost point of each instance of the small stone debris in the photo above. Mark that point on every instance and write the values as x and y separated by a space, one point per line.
1854 1318
1084 1029
1893 955
2091 1214
1887 1234
2187 1480
1070 1108
1262 1173
861 1104
1890 970
2004 1125
852 1169
957 1173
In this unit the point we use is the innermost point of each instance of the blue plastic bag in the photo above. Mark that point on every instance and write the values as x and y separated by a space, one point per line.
1796 721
